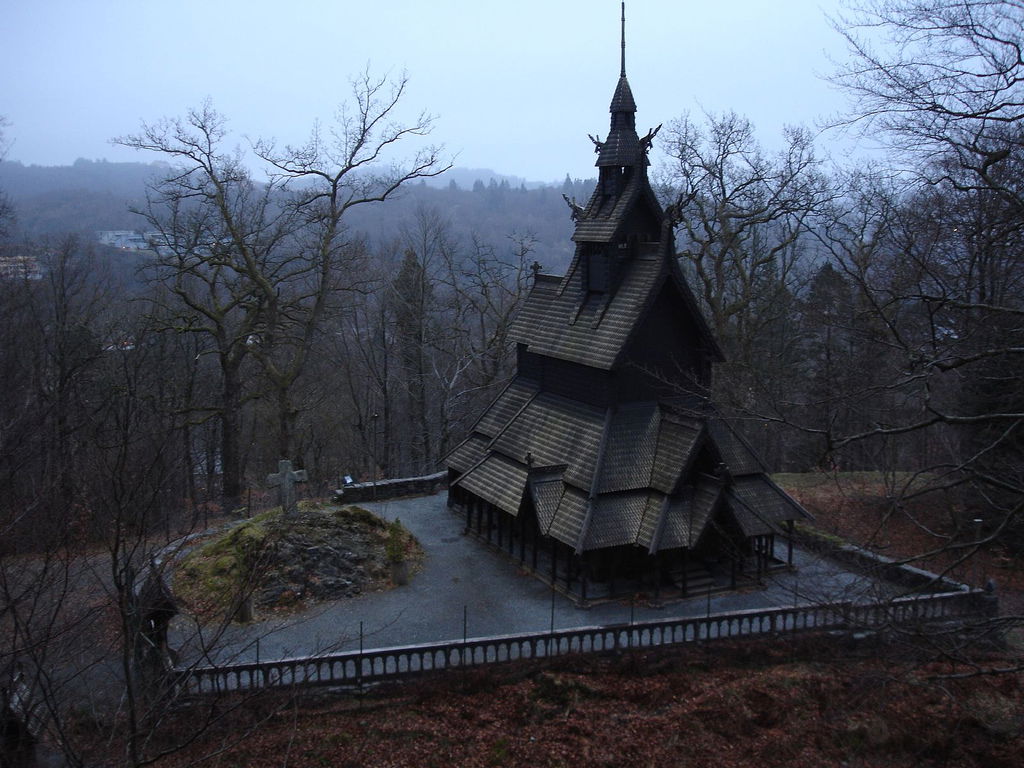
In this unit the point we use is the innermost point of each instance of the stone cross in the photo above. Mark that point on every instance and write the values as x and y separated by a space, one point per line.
284 480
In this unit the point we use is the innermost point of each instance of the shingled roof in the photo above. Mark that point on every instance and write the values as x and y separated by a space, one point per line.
622 147
601 478
602 220
560 320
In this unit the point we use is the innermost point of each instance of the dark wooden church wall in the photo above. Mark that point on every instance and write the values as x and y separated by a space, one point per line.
529 366
642 222
658 355
561 377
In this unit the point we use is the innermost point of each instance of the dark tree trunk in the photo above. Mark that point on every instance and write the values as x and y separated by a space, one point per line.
230 456
285 421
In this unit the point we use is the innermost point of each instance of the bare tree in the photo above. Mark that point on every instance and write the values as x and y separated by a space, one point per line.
218 230
87 455
744 238
842 368
940 82
329 175
55 326
423 349
744 216
485 288
362 350
255 267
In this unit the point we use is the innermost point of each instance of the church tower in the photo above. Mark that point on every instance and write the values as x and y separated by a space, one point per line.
603 466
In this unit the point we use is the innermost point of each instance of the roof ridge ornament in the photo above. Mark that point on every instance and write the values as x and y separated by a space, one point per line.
576 210
646 141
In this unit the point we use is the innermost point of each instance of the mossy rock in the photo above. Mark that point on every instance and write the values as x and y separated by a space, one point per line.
319 554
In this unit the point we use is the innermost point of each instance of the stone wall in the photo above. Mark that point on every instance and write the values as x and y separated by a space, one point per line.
865 561
392 489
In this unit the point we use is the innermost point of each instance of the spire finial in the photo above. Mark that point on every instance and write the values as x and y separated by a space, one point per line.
623 72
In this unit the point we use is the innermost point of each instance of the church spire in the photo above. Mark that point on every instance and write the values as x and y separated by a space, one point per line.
622 72
622 147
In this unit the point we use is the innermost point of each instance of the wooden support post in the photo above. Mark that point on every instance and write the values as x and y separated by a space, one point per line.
612 570
686 572
583 577
522 538
536 539
490 520
657 575
501 528
554 562
789 544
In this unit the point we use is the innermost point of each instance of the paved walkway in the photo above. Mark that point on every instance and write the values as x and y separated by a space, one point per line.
465 578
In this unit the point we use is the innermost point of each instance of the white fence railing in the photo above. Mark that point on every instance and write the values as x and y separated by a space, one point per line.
353 668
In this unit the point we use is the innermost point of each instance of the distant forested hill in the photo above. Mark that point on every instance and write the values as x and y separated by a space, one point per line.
96 195
79 198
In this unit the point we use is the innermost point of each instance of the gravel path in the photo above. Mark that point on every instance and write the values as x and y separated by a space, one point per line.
464 579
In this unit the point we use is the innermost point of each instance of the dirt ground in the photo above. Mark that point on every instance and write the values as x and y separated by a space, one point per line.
775 703
857 507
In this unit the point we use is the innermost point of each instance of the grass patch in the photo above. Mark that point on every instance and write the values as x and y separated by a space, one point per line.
871 481
807 530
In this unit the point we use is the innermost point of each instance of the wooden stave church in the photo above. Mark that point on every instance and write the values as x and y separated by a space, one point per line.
603 466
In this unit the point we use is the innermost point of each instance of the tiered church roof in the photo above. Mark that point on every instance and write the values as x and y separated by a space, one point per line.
620 475
606 433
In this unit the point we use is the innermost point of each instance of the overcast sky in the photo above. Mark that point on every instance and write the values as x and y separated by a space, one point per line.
516 86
